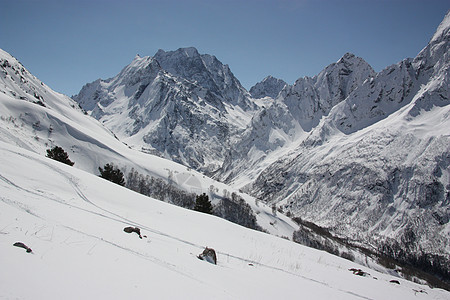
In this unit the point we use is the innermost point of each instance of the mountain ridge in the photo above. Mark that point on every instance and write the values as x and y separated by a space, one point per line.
170 104
364 155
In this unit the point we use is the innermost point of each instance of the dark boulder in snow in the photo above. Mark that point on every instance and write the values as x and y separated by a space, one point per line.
133 229
22 245
209 255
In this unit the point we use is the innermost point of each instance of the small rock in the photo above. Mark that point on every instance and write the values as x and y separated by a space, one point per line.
133 229
394 281
419 291
22 245
209 255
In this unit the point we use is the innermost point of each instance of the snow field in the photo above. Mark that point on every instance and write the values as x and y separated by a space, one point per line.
74 223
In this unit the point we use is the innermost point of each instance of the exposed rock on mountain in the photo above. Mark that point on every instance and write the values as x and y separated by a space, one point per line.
298 109
17 82
206 71
311 98
179 104
269 87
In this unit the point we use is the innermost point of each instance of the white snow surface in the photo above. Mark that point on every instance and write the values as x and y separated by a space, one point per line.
73 222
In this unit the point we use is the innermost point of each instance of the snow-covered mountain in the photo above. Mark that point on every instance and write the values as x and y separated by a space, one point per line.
179 105
277 128
38 123
376 167
365 155
268 87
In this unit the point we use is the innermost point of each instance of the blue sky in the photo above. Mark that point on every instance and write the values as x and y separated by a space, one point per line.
69 43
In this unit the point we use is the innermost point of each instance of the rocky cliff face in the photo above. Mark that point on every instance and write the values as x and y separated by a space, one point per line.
206 71
179 104
268 87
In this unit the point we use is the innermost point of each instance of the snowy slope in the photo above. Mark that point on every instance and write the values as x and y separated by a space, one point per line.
18 83
73 222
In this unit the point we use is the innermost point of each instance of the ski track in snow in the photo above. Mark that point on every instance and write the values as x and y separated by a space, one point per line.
119 218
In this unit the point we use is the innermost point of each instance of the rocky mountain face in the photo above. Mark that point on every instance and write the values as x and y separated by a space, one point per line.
206 71
179 104
268 87
298 109
364 154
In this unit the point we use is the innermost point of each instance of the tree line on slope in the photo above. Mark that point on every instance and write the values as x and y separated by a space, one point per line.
392 254
230 207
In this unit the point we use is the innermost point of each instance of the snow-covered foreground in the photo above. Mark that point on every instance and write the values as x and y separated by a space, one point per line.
73 221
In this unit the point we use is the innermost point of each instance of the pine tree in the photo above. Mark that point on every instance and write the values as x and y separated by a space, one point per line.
112 174
202 204
58 153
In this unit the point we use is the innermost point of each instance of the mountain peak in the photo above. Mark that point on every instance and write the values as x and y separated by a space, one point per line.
270 78
348 57
188 52
268 87
204 70
443 28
